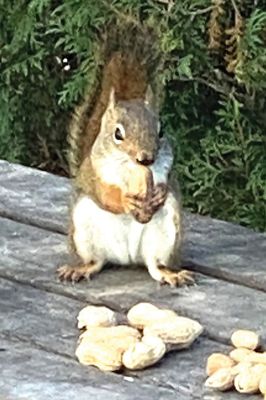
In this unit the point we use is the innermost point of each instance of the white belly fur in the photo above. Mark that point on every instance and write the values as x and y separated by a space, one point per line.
99 234
120 238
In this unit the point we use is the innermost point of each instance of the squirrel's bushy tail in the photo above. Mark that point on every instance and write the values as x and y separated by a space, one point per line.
130 62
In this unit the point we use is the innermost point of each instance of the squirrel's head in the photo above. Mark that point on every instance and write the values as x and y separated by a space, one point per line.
132 127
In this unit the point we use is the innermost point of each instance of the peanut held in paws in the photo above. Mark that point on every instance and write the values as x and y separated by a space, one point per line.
140 181
139 188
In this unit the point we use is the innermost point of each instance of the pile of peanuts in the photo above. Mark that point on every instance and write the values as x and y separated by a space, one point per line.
243 369
149 333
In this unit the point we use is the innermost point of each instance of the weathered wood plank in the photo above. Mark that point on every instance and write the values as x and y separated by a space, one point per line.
35 197
185 372
225 250
38 356
212 247
34 374
43 318
30 255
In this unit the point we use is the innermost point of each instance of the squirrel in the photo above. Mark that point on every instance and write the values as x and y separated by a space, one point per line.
115 137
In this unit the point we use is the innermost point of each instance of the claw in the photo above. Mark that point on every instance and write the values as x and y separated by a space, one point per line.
143 208
175 279
77 273
134 196
159 195
133 202
64 273
73 274
186 277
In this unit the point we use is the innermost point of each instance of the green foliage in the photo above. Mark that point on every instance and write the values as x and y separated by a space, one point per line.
214 75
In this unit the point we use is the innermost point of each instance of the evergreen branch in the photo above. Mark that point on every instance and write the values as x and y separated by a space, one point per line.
227 89
125 16
235 7
170 3
212 85
219 136
200 11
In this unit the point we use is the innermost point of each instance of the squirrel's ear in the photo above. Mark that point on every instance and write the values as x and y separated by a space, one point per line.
149 97
112 100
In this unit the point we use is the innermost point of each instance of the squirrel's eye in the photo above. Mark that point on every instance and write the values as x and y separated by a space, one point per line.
119 133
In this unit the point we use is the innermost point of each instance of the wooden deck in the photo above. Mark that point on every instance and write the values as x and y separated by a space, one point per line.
38 330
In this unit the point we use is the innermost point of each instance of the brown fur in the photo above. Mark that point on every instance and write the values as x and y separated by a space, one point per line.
129 81
108 197
121 98
130 60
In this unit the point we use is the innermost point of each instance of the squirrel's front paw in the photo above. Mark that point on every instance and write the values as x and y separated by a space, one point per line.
133 202
142 216
159 196
144 208
139 207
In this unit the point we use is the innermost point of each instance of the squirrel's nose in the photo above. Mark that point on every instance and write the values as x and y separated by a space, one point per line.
145 158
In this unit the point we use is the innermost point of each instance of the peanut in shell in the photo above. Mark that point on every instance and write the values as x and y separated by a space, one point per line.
103 347
145 314
176 334
96 316
245 339
222 379
262 384
217 361
240 354
248 380
144 353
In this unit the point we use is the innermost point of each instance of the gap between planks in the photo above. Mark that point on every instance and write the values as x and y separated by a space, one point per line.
78 382
34 344
156 376
48 350
93 300
50 227
194 267
212 301
210 247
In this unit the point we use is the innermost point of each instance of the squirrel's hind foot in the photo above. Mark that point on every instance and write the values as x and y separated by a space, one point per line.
77 273
176 278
